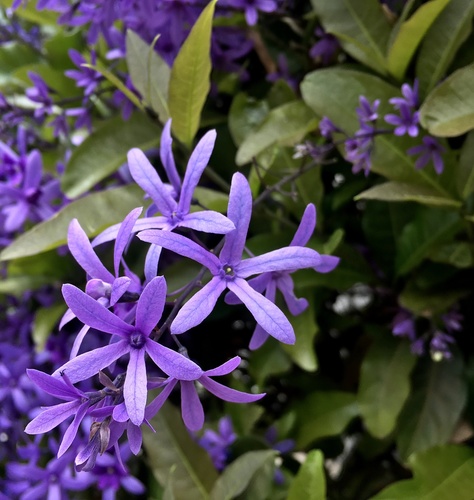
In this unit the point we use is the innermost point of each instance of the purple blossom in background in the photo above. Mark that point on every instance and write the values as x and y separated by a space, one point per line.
252 7
406 122
359 149
283 73
410 97
133 340
40 94
440 346
325 48
366 111
403 325
191 407
85 77
430 151
217 444
229 270
269 283
327 127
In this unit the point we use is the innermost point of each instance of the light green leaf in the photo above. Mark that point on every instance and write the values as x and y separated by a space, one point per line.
384 383
440 473
46 318
149 73
430 228
465 167
324 414
442 41
175 459
310 482
434 406
335 92
190 78
17 285
410 35
303 352
30 12
361 27
402 191
105 150
448 111
237 476
95 212
245 114
285 126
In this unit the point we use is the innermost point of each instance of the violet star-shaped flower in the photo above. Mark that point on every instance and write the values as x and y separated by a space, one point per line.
229 271
134 341
77 404
191 407
269 283
430 151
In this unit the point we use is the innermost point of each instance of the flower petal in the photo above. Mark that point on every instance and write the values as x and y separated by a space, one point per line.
182 246
266 314
134 389
171 362
284 259
225 368
52 416
166 155
151 262
90 363
134 436
328 264
123 236
208 221
259 337
191 407
51 385
198 307
239 212
150 305
153 408
119 287
91 313
196 165
148 179
71 431
306 227
228 394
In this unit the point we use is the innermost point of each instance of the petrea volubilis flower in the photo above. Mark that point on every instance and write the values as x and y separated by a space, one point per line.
430 151
217 444
229 271
134 341
269 283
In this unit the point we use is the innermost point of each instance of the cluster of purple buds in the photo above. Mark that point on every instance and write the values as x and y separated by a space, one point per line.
437 338
131 320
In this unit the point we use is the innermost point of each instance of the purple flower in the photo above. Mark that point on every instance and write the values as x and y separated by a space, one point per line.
229 270
366 111
269 283
191 407
403 325
327 127
406 122
359 149
217 444
134 341
410 97
39 93
283 73
429 151
325 48
173 202
77 404
439 346
85 77
251 8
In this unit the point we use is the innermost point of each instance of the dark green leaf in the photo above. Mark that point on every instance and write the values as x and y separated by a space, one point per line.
176 460
285 125
105 150
442 41
95 212
458 254
237 476
46 318
434 406
190 78
149 73
402 191
440 473
384 383
448 111
324 414
310 482
269 360
361 27
418 238
245 114
465 167
410 35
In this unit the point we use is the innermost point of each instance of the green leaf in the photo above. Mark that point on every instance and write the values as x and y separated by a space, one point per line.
410 35
285 126
95 212
324 414
448 111
402 191
434 406
174 457
30 12
310 482
458 254
431 227
190 78
384 383
440 473
268 360
149 73
245 114
105 150
46 318
465 170
335 92
442 41
18 285
361 27
303 352
237 476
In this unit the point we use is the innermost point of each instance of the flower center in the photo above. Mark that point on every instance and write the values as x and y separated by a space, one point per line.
137 340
